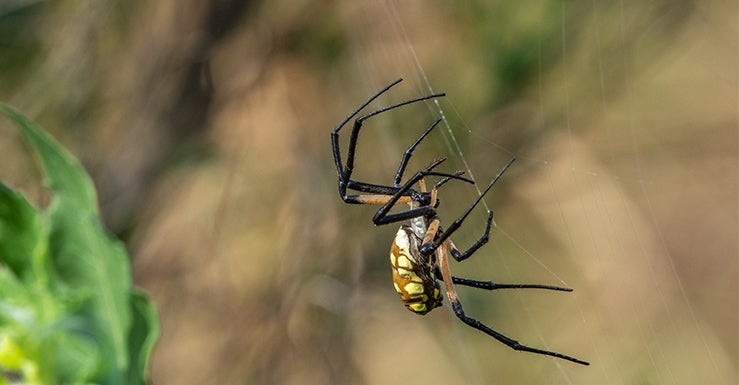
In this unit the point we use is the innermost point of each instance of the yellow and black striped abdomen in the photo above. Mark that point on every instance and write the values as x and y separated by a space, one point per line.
413 274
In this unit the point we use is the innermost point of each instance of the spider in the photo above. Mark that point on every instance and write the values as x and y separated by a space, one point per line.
420 252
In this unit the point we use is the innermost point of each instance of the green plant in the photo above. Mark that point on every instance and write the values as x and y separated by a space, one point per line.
69 313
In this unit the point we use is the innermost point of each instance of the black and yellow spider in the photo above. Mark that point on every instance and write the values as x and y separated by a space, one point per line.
419 255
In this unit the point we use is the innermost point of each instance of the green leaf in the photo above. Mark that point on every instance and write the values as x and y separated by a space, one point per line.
64 175
84 311
21 233
144 334
25 311
84 254
78 356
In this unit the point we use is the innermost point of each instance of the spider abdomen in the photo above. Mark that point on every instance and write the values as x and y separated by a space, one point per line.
413 276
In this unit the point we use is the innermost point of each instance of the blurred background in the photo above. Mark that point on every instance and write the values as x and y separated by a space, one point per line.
205 126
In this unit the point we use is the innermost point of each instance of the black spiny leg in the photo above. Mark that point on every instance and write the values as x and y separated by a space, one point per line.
459 257
409 152
515 345
428 249
490 285
382 217
446 276
344 171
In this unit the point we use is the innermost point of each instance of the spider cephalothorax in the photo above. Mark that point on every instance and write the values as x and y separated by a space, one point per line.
420 253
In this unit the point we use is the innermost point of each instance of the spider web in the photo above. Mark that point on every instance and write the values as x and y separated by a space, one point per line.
598 157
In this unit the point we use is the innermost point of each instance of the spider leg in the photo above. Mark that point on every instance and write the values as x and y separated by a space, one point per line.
490 285
443 261
486 285
409 152
377 194
443 181
335 133
429 248
345 170
510 342
459 257
372 188
391 190
382 217
358 126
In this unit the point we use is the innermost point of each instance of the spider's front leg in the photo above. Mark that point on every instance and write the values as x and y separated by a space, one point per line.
344 171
